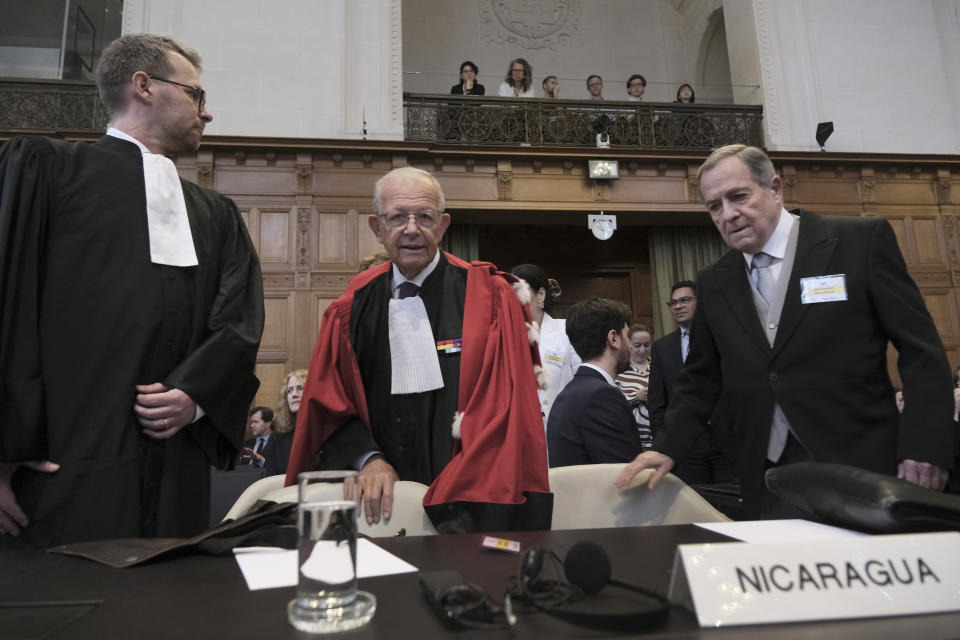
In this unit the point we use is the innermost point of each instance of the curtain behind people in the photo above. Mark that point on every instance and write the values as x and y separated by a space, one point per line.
678 253
462 241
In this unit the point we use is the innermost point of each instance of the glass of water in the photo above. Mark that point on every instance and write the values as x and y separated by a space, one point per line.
327 596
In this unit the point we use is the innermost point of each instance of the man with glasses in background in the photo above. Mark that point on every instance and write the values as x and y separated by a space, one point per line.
132 312
424 371
712 458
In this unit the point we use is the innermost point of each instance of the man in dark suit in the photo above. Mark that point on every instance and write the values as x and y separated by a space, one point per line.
591 421
261 427
712 458
792 326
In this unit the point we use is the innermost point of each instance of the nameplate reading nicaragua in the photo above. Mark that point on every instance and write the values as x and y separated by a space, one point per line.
739 583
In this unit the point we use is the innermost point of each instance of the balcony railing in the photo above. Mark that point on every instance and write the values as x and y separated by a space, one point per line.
51 105
533 121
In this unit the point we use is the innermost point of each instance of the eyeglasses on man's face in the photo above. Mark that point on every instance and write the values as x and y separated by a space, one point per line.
423 219
676 302
199 95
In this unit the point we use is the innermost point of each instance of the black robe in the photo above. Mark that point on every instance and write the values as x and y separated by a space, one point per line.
86 316
397 421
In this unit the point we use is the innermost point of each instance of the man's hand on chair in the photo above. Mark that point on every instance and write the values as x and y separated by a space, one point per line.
647 460
376 489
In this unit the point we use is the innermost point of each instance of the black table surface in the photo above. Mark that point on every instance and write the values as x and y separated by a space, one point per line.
53 596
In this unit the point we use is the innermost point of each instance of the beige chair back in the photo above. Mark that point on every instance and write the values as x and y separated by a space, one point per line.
584 498
408 513
251 494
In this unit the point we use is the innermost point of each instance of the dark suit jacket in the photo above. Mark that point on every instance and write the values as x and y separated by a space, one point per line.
665 366
591 423
477 90
276 453
828 366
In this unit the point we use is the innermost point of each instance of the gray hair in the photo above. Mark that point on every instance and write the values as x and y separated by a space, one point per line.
409 172
757 161
131 53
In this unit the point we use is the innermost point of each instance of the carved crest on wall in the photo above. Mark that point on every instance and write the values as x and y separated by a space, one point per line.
530 24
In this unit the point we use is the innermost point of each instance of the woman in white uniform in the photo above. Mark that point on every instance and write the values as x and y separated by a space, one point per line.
559 359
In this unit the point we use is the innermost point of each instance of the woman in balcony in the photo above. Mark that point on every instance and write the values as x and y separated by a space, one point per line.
519 80
468 81
685 94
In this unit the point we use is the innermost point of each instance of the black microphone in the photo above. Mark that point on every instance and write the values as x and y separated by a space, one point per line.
587 565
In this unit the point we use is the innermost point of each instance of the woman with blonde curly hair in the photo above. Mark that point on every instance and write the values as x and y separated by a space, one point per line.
277 449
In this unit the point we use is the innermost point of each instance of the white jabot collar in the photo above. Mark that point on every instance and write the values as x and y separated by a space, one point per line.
171 241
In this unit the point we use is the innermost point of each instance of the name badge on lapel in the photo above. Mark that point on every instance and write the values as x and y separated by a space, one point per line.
823 289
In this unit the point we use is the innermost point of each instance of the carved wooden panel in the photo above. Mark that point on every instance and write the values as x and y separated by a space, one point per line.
903 192
275 237
278 325
813 192
331 238
927 237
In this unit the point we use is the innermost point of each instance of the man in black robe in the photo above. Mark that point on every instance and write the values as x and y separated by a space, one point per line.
132 308
424 371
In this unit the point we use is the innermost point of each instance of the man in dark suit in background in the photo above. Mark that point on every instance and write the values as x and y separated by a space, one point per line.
591 421
261 427
792 326
712 458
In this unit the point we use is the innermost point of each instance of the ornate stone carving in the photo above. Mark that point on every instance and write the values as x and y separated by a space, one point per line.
205 174
504 180
545 24
303 236
304 173
952 240
51 106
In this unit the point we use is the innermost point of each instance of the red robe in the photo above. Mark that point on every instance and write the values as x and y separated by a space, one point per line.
502 453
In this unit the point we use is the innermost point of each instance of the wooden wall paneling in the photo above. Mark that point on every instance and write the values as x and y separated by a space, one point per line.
278 326
928 239
276 238
271 376
334 238
367 243
943 309
907 248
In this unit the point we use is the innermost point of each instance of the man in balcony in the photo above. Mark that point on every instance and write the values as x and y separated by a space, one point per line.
132 312
595 87
424 371
792 327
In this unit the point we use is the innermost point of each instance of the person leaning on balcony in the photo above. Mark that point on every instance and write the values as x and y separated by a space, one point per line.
468 85
519 80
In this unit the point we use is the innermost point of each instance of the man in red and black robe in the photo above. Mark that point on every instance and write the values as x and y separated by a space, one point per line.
477 438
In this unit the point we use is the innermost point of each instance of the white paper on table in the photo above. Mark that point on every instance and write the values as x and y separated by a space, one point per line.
271 567
778 530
